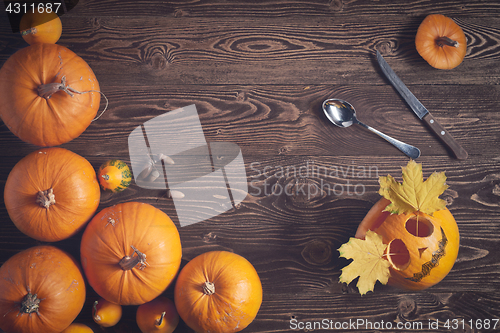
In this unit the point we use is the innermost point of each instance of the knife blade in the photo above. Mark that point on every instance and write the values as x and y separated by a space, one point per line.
420 110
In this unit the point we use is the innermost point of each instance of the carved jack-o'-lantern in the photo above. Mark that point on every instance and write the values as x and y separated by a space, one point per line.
421 248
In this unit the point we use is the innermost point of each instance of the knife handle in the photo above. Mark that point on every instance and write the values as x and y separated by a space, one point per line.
457 149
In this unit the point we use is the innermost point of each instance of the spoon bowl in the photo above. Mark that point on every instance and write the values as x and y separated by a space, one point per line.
343 114
339 112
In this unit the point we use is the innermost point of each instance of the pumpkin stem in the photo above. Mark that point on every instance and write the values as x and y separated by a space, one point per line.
30 303
129 262
442 41
46 91
33 30
209 288
46 198
97 318
111 221
160 321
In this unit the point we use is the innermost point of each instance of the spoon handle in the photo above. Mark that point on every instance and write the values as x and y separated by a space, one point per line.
409 150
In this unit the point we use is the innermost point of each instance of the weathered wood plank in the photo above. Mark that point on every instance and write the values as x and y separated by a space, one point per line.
288 120
279 8
159 51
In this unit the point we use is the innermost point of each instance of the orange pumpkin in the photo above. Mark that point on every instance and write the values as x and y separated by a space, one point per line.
157 316
51 194
105 313
441 42
218 291
422 248
130 253
41 27
41 290
49 94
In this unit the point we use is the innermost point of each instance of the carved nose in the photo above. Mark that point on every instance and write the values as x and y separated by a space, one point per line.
421 251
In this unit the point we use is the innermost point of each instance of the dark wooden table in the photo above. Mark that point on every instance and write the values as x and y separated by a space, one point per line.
258 73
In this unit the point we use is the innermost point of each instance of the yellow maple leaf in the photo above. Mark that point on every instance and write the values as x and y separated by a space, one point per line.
368 262
414 194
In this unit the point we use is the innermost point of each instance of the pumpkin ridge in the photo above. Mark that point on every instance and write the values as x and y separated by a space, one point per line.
151 220
67 125
22 120
147 282
26 70
118 246
57 179
145 231
102 237
31 181
55 116
215 262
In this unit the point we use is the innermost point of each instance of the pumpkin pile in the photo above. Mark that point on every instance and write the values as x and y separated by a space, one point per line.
130 253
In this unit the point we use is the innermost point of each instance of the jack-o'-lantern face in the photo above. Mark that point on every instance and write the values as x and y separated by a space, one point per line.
421 248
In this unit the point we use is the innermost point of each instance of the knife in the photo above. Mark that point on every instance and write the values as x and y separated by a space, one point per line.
420 110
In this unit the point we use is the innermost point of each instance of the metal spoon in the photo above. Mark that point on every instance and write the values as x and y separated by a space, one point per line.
343 114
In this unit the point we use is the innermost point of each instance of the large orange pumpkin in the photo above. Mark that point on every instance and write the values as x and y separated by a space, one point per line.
51 194
41 27
41 290
441 42
49 94
422 248
218 291
130 253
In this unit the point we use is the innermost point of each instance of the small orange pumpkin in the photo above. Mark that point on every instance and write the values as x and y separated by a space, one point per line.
114 176
105 313
49 94
157 316
441 42
218 291
41 290
51 194
130 253
422 249
41 27
78 328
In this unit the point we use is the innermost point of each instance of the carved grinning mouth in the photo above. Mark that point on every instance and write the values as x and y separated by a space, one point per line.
436 256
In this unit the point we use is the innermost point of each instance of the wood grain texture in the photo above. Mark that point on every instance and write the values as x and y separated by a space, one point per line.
279 8
291 121
258 72
167 50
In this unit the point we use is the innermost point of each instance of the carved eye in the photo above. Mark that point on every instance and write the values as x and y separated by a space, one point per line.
419 226
398 254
